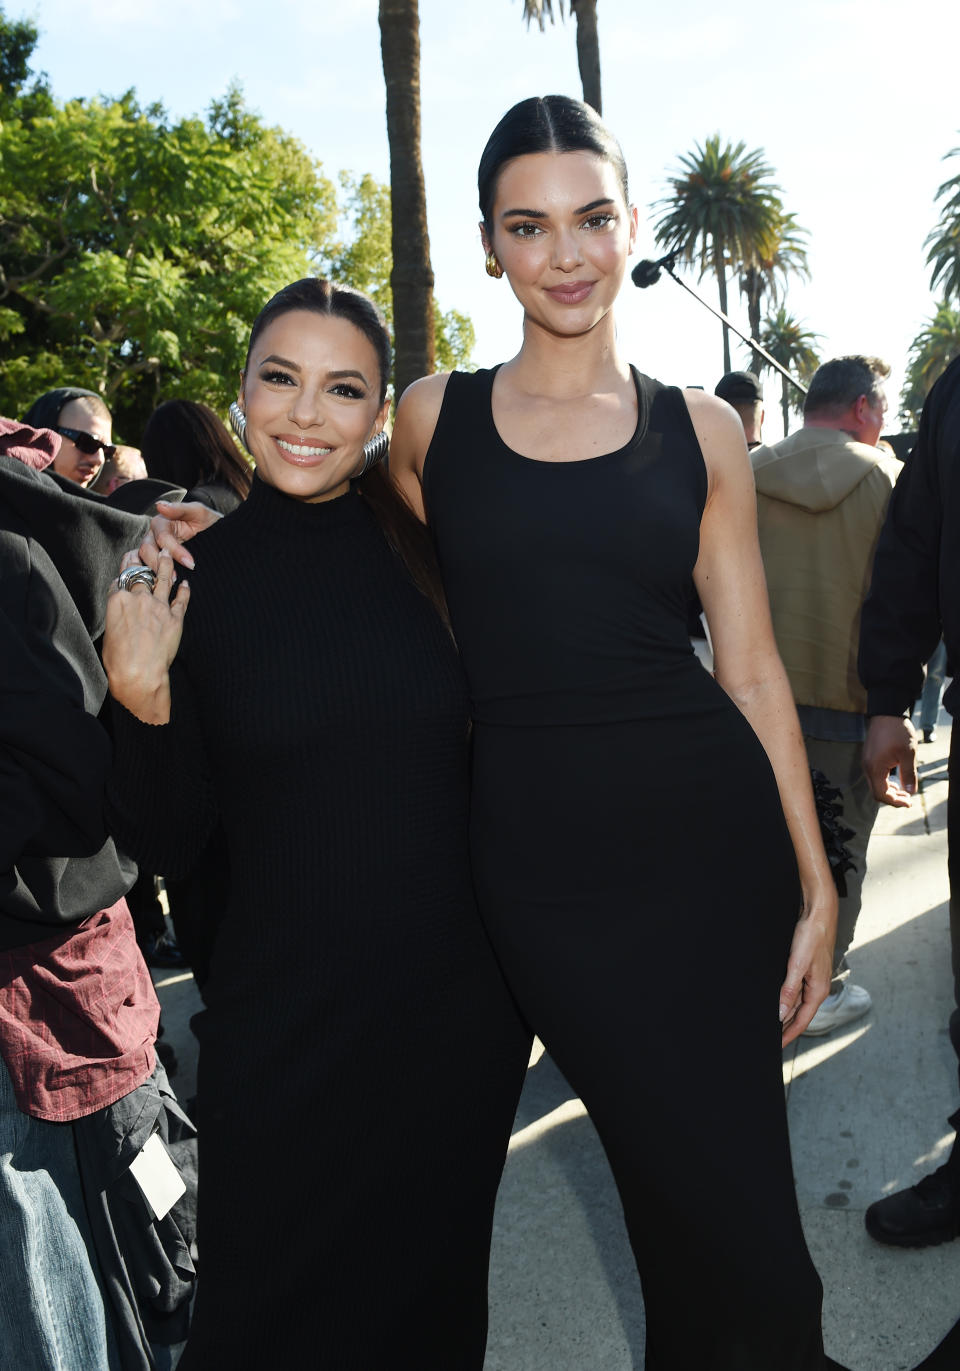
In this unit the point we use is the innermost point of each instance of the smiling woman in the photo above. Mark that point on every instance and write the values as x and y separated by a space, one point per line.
356 1015
313 394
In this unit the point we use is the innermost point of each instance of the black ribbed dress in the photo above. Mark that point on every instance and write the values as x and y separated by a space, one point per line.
360 1058
632 862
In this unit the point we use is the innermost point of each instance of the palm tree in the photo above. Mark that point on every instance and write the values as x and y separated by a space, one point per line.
783 255
792 345
588 42
931 352
411 280
721 210
943 241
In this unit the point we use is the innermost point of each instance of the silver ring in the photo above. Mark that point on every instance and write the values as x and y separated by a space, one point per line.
137 576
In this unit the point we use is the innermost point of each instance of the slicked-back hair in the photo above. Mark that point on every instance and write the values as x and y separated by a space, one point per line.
403 531
545 123
840 382
318 296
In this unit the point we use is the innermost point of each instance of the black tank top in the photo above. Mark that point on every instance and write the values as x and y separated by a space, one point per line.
569 582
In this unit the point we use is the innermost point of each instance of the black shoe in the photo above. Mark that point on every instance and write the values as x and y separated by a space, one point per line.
926 1214
929 735
162 950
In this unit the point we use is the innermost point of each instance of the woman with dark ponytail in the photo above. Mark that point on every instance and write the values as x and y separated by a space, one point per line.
637 906
360 1055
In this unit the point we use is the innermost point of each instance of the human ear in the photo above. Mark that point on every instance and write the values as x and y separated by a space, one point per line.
634 222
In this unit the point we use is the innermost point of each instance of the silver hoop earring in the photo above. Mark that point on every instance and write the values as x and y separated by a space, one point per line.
374 451
238 422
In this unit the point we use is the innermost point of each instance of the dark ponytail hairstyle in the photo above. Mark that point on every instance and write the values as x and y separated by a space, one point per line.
188 445
545 123
404 532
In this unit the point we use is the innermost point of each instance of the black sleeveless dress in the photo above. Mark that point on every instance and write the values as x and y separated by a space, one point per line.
631 859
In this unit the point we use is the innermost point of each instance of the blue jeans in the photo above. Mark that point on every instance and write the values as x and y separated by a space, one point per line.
933 687
52 1315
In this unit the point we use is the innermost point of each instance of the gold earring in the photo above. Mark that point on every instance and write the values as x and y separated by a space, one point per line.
494 268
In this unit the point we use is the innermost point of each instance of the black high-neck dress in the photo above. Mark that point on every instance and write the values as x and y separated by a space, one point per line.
360 1058
631 858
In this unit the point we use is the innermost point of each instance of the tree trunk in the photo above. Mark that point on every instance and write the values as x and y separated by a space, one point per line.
411 279
720 271
754 294
785 404
588 51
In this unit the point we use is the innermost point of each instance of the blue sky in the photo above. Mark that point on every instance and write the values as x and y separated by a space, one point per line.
850 100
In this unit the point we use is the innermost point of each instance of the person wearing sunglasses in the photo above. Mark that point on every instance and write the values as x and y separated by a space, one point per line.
85 427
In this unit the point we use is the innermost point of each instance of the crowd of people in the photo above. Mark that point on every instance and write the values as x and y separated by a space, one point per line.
407 731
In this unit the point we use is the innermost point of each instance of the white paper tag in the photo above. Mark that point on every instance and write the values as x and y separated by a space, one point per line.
157 1177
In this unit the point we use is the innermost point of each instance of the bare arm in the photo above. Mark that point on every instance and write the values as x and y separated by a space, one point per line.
730 581
417 415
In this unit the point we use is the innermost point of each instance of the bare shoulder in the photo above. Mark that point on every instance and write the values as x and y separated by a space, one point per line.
719 432
419 406
413 428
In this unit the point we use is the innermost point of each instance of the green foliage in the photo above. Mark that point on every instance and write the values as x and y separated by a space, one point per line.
18 99
931 352
943 242
455 337
136 250
722 201
539 11
723 212
793 345
367 261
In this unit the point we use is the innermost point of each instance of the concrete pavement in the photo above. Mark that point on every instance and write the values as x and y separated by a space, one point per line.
867 1109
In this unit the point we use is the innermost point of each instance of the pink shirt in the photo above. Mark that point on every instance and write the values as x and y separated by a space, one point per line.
78 1017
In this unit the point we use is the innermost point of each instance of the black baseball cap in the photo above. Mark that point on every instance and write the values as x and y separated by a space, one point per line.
739 385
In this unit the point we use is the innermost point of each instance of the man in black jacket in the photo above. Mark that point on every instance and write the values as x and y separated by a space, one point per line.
914 597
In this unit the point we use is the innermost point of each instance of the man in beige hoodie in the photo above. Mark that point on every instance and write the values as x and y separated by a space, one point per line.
822 494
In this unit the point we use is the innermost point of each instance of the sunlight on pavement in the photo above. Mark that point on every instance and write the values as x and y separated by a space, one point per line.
534 1132
816 1053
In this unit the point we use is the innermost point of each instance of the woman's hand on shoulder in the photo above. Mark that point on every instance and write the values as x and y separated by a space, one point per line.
413 429
171 527
141 639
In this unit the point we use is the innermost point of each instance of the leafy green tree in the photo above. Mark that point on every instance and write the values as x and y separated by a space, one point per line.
722 211
943 241
793 345
931 352
588 41
20 97
135 251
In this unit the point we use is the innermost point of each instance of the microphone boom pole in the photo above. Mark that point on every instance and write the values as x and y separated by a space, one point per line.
647 273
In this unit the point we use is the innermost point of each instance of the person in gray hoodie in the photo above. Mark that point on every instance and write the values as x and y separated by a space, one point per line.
822 494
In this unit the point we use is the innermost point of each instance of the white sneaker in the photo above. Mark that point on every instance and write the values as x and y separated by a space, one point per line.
849 1003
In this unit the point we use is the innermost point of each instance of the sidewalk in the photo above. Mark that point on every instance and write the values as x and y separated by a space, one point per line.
867 1109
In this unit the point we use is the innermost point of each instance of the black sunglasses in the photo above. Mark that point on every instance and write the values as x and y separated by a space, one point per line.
87 443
